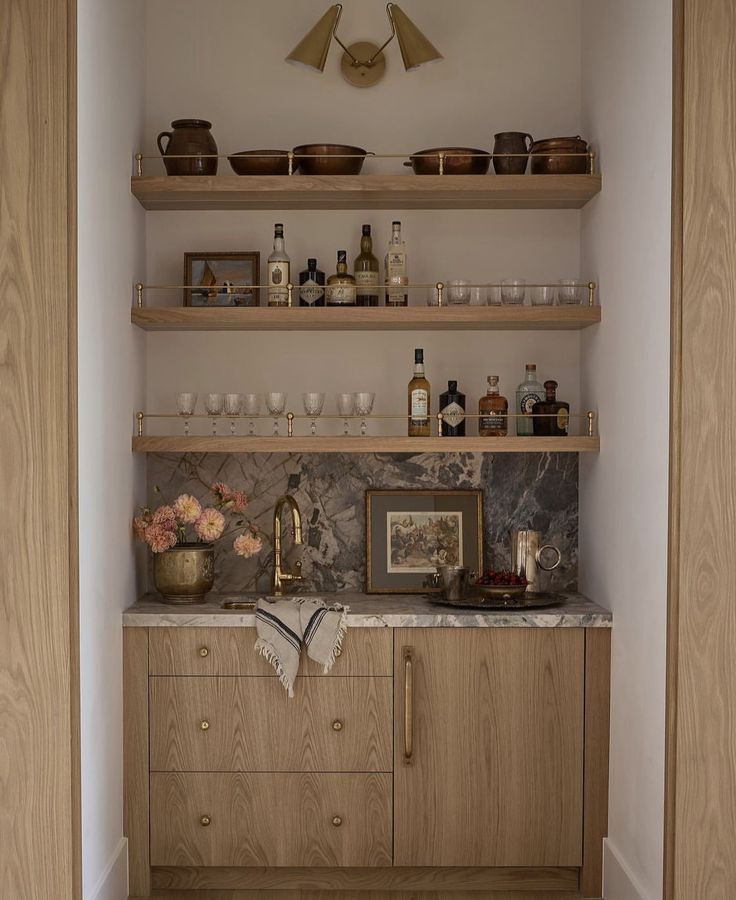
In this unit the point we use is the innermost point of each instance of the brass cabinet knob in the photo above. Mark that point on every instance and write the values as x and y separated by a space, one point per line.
337 725
204 725
204 821
204 651
336 821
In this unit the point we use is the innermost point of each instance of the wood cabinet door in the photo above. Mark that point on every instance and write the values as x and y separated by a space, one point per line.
489 747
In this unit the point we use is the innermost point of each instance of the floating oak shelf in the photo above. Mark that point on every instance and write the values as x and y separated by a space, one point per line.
366 191
381 318
342 444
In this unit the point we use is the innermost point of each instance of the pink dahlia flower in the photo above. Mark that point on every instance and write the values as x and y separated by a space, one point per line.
140 523
187 509
160 538
210 525
247 544
165 517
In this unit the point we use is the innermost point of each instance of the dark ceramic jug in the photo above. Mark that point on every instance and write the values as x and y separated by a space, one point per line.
190 137
511 142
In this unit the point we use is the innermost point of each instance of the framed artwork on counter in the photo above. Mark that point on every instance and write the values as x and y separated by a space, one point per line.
218 279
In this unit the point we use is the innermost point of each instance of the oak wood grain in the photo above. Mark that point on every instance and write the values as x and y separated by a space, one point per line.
326 318
595 783
271 819
368 895
496 776
366 192
229 651
701 816
253 725
136 758
40 830
368 444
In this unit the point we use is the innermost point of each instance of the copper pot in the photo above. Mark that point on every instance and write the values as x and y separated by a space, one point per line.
184 574
457 161
260 162
549 157
193 138
329 159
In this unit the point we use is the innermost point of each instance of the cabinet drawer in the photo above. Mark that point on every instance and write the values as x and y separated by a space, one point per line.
251 725
270 820
229 651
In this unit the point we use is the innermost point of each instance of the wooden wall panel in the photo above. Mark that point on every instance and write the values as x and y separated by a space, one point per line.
39 683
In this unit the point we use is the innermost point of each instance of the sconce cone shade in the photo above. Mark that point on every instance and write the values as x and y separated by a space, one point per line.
313 49
416 50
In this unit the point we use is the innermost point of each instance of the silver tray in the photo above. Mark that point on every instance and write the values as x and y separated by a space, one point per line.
527 601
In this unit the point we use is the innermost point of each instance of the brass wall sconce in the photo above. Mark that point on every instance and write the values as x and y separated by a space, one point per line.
363 63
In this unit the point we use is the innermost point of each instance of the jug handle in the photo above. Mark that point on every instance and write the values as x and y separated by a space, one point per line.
539 558
166 134
531 141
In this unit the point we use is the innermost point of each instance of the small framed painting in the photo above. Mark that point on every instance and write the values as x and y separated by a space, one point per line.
221 279
410 533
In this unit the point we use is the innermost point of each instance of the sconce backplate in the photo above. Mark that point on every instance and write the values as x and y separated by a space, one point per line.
363 76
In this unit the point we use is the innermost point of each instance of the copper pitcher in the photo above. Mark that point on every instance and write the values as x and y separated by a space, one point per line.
527 557
511 142
189 138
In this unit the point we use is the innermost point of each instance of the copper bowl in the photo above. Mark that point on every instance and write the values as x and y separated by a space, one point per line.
184 574
329 159
457 161
551 156
260 162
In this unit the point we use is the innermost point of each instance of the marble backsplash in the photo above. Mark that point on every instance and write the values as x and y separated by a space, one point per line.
520 490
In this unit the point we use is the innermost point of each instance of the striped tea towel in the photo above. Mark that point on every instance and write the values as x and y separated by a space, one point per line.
284 625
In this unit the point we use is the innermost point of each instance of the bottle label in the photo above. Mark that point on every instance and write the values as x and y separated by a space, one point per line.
527 401
341 294
453 415
366 279
419 407
562 419
310 292
492 423
278 278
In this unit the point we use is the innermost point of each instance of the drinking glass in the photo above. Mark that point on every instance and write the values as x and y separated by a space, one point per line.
478 296
276 404
543 295
569 292
251 407
233 407
513 291
432 297
313 403
346 408
363 408
213 407
186 403
494 295
458 291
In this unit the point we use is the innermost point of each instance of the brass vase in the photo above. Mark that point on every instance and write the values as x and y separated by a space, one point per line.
184 574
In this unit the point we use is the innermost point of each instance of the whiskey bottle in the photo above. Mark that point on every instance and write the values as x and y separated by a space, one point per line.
419 396
366 271
452 407
529 392
554 414
279 270
311 285
340 289
493 411
396 269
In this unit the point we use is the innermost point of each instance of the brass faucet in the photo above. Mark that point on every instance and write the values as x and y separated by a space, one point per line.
280 577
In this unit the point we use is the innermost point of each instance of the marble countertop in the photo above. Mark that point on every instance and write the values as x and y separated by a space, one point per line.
376 611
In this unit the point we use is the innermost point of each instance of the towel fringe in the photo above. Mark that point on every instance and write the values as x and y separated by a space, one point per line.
267 651
341 629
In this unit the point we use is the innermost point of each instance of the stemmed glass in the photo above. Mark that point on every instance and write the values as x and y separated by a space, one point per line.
233 407
186 403
346 408
251 407
363 408
276 404
313 403
213 407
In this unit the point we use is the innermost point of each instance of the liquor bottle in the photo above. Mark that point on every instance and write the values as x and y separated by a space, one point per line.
554 414
452 407
279 270
311 285
419 396
366 271
341 286
493 411
529 392
396 269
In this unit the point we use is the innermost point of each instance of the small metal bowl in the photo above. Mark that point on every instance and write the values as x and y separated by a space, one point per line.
260 162
501 591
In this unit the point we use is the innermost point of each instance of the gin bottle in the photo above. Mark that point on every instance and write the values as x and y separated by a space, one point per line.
529 392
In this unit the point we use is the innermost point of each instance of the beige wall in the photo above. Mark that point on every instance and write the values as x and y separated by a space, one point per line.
507 66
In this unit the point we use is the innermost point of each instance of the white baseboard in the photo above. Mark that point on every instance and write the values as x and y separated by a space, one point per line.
113 882
618 882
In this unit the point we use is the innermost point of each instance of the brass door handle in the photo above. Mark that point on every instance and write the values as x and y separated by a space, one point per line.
337 821
204 651
204 821
337 725
204 725
408 706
